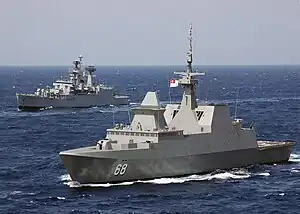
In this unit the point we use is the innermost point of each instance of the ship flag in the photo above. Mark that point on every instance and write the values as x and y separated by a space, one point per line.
173 83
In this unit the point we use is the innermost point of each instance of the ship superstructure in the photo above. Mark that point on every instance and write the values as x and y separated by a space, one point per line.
178 140
80 90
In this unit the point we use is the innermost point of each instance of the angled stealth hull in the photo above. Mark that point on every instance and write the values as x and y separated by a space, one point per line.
147 164
177 140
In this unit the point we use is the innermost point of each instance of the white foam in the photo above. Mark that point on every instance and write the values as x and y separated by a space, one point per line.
21 193
134 104
240 174
16 192
206 177
264 174
295 170
61 198
74 184
295 158
66 177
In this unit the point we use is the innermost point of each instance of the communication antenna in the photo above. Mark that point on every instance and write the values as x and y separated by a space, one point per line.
80 58
170 100
190 51
129 116
208 90
113 116
237 97
128 110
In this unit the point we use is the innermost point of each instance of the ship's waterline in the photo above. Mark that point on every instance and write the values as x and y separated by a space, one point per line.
86 169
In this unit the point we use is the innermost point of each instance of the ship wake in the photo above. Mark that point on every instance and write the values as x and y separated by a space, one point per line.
217 175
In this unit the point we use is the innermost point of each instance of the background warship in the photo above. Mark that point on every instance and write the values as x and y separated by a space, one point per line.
178 140
79 91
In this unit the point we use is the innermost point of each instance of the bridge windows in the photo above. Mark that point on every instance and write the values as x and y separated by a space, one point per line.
132 133
166 134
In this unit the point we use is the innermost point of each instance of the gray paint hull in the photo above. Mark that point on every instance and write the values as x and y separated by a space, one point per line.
85 169
25 101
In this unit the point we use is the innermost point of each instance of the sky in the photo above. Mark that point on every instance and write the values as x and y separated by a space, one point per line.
149 32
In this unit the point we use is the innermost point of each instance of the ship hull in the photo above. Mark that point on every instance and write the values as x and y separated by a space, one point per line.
84 169
31 102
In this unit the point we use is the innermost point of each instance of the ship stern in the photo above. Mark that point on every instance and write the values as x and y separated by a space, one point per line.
29 102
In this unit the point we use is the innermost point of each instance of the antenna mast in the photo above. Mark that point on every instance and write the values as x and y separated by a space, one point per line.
190 51
80 58
113 116
237 96
188 80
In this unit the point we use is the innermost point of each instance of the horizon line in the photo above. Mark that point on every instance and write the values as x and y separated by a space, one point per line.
177 65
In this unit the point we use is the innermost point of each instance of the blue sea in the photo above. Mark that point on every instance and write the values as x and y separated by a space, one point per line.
34 180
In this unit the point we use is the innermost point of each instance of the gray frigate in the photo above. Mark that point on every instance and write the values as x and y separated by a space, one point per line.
172 141
79 91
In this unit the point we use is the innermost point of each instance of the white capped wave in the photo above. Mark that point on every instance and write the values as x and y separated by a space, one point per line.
295 170
61 198
66 177
294 158
134 104
264 174
16 192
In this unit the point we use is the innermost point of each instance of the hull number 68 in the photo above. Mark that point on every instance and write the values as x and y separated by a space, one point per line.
120 169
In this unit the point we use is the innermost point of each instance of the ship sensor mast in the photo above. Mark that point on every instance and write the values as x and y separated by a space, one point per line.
188 80
190 52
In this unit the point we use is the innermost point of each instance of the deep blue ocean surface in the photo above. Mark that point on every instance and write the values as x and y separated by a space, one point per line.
33 179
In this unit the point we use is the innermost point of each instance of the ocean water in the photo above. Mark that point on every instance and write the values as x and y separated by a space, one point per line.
33 179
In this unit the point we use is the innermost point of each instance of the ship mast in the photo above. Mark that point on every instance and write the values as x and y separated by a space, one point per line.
190 52
80 59
187 80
